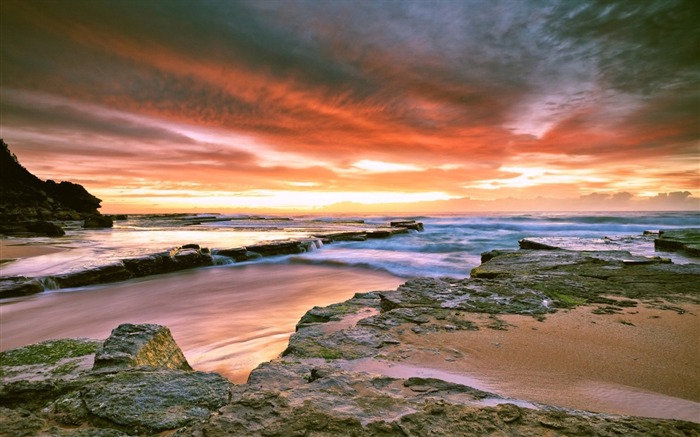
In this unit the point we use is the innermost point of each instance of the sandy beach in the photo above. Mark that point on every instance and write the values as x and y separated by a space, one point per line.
641 362
10 251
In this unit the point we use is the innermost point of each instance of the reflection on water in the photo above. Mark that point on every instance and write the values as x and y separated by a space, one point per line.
226 319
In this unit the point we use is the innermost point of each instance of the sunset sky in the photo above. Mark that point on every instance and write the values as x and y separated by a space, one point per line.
222 105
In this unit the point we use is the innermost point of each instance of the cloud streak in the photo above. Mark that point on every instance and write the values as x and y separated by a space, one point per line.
479 99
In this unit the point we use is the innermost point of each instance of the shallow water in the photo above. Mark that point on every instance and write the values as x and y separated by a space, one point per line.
226 319
451 245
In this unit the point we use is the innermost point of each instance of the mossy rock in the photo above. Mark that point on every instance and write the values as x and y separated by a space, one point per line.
49 352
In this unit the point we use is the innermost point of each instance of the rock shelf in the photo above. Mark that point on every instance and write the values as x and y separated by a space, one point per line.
318 388
190 256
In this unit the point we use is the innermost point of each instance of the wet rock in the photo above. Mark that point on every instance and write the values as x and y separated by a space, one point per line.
238 254
277 248
98 221
683 240
166 262
328 237
408 224
132 345
16 286
98 275
46 228
535 245
145 401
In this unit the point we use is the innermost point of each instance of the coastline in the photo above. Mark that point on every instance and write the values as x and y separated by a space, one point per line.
12 252
535 341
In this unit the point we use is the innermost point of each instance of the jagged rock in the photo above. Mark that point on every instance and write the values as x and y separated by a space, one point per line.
140 345
27 200
144 401
535 245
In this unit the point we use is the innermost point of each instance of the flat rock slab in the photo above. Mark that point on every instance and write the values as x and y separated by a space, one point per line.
152 401
684 240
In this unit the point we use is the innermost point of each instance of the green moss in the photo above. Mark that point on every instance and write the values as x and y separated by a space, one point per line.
65 369
330 354
566 300
48 352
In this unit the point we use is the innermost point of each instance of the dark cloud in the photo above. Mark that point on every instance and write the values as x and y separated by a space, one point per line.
473 83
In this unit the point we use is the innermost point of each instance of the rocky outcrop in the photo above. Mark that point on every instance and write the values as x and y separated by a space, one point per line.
183 257
140 345
682 240
320 385
27 202
141 384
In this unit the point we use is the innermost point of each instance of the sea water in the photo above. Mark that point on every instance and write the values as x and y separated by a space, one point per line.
450 245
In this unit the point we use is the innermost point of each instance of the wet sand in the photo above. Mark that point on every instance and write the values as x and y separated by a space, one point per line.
226 319
10 252
643 362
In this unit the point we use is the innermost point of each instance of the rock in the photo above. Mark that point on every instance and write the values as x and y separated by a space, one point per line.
98 221
535 245
277 248
46 228
166 262
16 286
98 275
140 345
143 401
408 224
238 254
328 237
27 200
684 240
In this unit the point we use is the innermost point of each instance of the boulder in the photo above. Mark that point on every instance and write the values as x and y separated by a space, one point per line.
140 345
46 228
98 221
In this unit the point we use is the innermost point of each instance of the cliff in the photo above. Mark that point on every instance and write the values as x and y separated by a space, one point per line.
27 202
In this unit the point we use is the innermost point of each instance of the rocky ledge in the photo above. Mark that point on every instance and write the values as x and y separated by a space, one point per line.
190 256
138 383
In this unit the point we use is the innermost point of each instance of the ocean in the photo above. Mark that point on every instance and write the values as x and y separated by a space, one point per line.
450 245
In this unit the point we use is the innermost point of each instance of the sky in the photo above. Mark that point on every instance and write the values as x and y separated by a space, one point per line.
357 105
